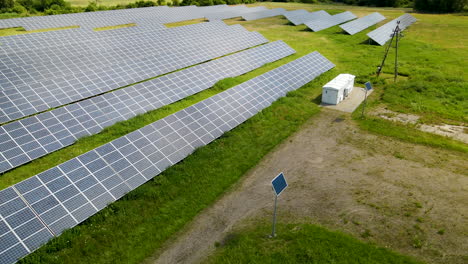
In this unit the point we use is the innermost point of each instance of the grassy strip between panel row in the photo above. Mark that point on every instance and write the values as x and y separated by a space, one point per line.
299 243
132 228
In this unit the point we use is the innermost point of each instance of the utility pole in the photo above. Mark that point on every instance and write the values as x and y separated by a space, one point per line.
396 36
397 32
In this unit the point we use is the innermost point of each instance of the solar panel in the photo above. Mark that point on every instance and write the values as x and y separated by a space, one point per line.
33 137
26 68
362 23
21 230
382 34
71 192
33 41
300 18
232 12
320 24
69 47
32 99
263 14
91 20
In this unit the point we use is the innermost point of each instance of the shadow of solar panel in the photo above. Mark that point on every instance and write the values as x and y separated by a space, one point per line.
362 23
384 33
320 24
210 118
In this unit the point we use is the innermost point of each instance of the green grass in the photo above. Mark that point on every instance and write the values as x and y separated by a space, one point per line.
135 226
300 243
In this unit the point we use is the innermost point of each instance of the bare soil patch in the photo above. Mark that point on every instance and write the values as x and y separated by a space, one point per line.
410 198
457 132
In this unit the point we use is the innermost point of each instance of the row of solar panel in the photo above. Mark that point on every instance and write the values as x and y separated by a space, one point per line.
15 103
320 20
43 206
143 16
25 140
99 19
26 68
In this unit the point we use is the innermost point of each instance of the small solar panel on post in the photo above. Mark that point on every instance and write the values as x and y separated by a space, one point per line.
279 184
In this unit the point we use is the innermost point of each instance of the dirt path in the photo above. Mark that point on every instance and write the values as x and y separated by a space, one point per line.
413 199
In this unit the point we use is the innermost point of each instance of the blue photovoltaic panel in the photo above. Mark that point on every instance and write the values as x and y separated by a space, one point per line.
33 137
362 23
69 193
279 184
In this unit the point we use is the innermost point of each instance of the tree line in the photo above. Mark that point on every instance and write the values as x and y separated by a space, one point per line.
51 7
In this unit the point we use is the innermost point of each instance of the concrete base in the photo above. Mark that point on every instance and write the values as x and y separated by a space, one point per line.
354 99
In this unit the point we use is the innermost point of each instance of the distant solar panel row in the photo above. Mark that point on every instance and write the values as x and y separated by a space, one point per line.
94 19
324 23
69 46
232 12
39 97
362 23
151 15
263 14
39 40
30 138
301 18
384 33
68 194
26 68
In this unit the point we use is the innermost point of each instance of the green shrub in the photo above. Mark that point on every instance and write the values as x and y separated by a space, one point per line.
5 4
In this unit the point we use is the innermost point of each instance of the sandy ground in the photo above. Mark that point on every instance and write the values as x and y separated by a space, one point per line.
410 198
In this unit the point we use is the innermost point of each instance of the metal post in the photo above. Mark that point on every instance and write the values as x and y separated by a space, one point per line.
273 234
365 102
379 69
397 32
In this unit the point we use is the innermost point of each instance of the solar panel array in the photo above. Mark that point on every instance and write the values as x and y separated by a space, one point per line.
33 137
106 51
26 67
362 23
300 18
263 14
64 196
232 12
384 33
148 15
323 23
40 96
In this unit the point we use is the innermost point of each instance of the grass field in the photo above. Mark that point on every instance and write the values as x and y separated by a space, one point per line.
433 84
299 243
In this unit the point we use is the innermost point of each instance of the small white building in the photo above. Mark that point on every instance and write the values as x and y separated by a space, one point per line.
338 89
